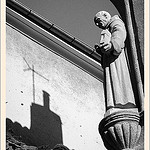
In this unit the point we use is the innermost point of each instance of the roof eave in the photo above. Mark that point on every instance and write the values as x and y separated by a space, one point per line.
80 50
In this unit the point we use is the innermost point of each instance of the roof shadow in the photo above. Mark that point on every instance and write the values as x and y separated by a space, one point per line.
45 127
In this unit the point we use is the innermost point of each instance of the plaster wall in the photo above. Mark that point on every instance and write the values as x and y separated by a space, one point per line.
68 103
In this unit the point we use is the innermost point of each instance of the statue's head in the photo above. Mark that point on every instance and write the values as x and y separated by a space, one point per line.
102 19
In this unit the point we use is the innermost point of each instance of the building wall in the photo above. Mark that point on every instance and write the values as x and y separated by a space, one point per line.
68 103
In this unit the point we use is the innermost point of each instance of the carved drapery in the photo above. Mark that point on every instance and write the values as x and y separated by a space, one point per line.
124 8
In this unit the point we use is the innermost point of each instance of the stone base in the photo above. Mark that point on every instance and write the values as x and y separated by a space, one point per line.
120 129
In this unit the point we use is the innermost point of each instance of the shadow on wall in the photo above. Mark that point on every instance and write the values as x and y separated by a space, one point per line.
45 126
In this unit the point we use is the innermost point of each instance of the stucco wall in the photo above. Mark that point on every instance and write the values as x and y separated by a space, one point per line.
68 105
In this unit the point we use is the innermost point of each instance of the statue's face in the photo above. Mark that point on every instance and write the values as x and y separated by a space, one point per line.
101 21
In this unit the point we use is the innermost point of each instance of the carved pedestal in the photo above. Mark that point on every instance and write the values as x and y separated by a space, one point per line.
120 130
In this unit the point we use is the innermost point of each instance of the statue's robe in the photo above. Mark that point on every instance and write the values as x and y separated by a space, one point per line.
117 84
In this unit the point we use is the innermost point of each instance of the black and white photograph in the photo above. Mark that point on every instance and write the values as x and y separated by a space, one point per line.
74 75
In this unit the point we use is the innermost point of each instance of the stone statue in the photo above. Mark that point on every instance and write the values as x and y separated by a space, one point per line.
117 84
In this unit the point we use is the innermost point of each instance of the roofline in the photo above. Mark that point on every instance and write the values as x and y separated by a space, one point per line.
53 29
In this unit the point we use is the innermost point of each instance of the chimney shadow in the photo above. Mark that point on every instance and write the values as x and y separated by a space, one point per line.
45 127
45 124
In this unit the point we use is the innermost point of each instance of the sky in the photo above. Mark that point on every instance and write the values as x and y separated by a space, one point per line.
73 16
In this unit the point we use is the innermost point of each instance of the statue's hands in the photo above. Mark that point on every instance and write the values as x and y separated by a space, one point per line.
98 49
96 46
105 47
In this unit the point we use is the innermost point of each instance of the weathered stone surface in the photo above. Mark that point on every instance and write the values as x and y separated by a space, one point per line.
117 82
120 130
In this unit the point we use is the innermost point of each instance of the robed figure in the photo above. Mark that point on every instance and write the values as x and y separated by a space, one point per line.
117 83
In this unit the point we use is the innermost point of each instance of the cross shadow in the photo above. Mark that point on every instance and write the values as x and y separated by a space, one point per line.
45 126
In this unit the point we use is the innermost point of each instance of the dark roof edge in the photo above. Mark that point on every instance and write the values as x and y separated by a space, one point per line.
53 29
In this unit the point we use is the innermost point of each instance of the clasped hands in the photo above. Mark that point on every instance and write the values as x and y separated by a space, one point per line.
104 47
